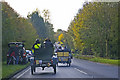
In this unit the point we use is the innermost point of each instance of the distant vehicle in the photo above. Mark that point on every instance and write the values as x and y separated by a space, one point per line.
11 55
63 54
43 57
29 54
64 57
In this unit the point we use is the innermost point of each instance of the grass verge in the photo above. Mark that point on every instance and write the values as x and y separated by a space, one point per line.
8 70
100 60
0 74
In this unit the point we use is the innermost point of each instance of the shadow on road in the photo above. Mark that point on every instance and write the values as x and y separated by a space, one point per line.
44 73
63 66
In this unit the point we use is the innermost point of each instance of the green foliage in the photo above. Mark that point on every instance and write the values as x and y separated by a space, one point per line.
38 22
57 34
50 31
60 37
42 25
15 28
99 59
46 15
107 61
94 30
8 70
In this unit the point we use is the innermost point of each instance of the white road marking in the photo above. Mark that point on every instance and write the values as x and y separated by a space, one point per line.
80 71
23 73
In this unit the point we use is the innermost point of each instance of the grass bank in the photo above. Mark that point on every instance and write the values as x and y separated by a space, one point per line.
0 70
8 70
99 59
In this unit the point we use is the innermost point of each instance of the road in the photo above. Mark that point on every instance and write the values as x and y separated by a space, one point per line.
78 69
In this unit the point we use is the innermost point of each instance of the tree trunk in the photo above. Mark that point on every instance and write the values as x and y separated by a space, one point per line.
106 48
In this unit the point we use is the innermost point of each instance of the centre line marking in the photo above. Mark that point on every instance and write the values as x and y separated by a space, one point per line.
80 71
23 73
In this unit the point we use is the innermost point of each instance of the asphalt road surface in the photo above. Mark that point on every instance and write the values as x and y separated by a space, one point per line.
78 69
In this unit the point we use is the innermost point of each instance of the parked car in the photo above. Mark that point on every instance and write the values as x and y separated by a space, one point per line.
11 55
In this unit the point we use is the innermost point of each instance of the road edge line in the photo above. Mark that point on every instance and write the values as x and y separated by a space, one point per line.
80 71
23 73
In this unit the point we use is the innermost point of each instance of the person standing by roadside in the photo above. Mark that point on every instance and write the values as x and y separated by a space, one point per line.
17 53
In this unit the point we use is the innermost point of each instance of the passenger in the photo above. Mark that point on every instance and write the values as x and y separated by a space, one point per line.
55 58
60 48
55 55
48 43
68 50
36 46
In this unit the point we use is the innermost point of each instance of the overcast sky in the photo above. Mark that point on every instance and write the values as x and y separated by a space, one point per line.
62 12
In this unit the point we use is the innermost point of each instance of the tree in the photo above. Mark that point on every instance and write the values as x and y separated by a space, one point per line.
46 15
60 38
42 25
94 29
15 28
